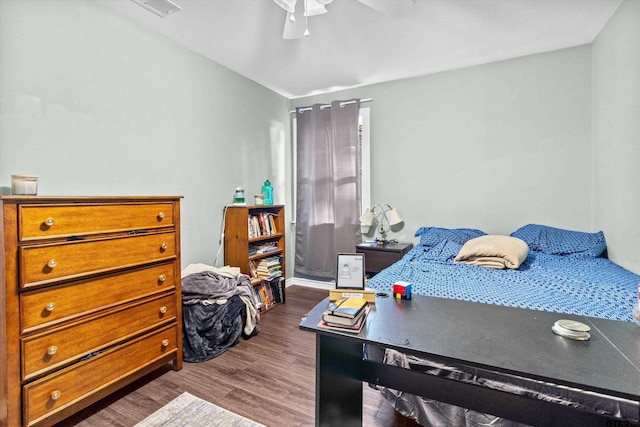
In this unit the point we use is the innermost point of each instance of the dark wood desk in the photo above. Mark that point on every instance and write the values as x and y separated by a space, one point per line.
502 339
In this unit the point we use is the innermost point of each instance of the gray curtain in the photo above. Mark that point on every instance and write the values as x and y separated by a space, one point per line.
328 186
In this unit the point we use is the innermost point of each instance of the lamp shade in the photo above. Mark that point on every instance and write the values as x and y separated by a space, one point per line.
367 217
394 217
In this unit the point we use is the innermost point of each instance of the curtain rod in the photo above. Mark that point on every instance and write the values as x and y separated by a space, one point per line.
329 105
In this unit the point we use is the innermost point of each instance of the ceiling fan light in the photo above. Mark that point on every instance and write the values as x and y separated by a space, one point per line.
288 5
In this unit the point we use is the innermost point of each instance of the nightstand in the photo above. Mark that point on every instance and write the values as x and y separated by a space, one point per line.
378 257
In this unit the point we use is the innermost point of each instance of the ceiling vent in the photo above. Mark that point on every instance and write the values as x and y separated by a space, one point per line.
161 8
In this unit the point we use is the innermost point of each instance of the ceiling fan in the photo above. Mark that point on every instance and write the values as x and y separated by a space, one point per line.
296 23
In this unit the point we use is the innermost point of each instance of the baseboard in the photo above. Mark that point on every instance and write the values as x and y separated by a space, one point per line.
310 283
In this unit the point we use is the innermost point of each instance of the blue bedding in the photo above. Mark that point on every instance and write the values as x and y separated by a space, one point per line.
564 272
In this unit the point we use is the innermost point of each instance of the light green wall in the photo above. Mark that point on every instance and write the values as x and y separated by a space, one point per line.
616 134
94 104
493 147
97 105
552 138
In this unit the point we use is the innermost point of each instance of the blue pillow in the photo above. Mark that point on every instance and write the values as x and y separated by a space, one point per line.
558 241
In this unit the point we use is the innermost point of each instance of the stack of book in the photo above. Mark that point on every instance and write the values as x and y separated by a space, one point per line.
269 267
345 315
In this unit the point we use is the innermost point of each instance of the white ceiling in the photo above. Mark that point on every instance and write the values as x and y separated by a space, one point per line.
355 45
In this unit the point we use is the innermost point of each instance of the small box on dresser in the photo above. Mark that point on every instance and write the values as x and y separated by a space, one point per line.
90 300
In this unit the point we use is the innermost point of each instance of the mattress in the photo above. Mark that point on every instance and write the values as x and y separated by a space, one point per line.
563 283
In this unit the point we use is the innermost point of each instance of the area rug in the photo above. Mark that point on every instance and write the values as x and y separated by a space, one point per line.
187 410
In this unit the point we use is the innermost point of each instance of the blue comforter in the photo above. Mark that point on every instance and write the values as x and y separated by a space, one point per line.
564 272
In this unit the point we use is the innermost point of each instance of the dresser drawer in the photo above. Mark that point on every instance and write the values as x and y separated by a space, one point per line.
51 394
46 351
46 263
56 304
55 221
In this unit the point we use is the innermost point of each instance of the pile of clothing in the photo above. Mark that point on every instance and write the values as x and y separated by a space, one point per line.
218 306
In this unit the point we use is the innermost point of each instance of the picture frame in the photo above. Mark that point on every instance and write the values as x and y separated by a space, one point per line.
350 271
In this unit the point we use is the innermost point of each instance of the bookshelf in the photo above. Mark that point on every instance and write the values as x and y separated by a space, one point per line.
254 240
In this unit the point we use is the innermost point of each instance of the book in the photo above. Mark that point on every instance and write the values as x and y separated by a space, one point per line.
258 296
263 295
342 321
277 288
348 307
356 328
272 221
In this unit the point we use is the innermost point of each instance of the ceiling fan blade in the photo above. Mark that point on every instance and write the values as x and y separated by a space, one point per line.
395 8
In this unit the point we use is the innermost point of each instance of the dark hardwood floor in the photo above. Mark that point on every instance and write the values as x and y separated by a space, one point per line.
269 378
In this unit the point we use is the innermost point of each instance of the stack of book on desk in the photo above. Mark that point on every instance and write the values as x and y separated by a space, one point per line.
345 315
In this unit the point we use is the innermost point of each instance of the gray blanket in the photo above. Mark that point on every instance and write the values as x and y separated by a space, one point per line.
209 285
214 309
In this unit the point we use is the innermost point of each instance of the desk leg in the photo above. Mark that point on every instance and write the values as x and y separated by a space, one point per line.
338 387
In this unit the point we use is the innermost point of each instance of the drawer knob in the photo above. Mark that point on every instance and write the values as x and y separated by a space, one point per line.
165 343
50 307
55 395
161 215
52 263
162 278
49 222
52 350
164 246
163 309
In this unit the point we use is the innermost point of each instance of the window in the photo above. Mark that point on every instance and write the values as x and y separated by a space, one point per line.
364 139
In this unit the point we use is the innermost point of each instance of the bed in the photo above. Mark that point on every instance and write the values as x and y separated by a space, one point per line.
561 271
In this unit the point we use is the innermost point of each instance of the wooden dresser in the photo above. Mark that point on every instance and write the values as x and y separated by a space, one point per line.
90 300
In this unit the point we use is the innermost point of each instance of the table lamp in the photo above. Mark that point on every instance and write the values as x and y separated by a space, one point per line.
384 216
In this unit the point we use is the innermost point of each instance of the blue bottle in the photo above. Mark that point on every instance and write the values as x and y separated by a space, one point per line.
267 190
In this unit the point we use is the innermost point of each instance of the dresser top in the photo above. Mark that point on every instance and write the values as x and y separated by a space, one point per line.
62 199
